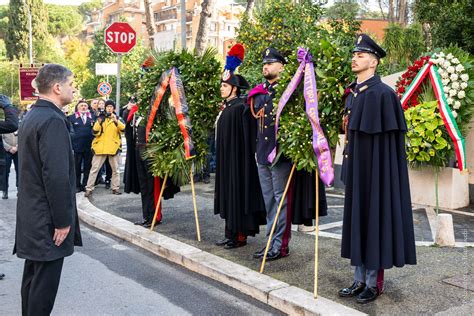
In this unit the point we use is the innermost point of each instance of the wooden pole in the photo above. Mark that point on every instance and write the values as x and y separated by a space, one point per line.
276 218
316 237
158 203
194 204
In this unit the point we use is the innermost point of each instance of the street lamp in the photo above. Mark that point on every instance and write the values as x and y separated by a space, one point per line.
30 33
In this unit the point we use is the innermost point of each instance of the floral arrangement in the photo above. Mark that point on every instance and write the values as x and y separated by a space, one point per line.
406 79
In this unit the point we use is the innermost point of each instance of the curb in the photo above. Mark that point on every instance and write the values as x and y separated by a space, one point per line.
280 295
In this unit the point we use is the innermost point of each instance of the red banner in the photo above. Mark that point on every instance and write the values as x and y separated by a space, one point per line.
26 89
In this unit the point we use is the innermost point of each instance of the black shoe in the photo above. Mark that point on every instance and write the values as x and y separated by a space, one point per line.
355 289
78 189
259 254
141 223
222 242
206 180
273 255
234 244
368 295
88 194
107 185
116 192
83 188
148 225
5 195
2 275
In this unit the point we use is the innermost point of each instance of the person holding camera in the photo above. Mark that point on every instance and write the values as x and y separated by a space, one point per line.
107 144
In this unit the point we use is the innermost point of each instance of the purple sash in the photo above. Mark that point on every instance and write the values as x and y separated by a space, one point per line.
320 144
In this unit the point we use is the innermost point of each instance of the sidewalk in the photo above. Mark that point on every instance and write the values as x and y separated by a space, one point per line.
409 290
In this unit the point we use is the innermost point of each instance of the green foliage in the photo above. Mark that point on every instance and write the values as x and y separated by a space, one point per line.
286 26
3 21
9 80
200 76
101 53
17 34
427 139
77 55
64 20
450 21
403 45
343 10
86 8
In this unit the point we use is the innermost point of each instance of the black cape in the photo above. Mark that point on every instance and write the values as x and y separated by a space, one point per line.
378 220
130 175
238 196
302 198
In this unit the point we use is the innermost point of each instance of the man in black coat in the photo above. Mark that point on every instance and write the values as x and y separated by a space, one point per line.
82 122
377 230
9 125
47 225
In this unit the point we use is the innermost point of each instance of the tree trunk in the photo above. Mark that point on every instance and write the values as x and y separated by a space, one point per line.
381 9
391 12
427 35
150 24
207 7
402 12
249 9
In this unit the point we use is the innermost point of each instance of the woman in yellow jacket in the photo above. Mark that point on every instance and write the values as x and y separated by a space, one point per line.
106 144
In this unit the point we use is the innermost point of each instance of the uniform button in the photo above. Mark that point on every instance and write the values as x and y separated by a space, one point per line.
266 126
266 104
346 156
266 138
265 115
349 112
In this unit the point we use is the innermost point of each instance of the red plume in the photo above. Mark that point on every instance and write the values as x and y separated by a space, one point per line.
237 50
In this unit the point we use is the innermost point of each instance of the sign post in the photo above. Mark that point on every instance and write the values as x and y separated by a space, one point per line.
120 37
104 89
27 91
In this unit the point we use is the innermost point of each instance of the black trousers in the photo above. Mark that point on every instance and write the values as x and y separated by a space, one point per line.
84 160
146 181
9 158
40 286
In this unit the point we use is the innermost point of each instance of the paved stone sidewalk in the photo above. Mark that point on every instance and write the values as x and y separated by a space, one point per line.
409 290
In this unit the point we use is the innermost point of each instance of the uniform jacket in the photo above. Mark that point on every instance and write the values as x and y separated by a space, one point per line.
8 126
47 190
107 137
82 135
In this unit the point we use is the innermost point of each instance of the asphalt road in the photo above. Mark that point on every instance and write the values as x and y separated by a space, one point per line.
111 277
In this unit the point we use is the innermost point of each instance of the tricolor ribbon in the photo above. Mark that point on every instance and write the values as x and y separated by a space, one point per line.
320 144
172 78
444 109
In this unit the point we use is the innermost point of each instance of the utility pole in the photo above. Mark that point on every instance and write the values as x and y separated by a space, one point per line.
30 34
183 24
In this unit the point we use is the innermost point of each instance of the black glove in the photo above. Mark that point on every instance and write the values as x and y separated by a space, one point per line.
4 101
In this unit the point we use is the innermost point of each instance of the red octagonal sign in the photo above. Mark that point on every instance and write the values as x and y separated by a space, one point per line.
120 37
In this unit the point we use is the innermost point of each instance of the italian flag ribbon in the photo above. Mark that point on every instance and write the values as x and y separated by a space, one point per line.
445 111
172 78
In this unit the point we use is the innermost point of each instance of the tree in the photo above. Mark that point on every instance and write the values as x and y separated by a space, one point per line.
343 9
17 35
64 20
204 25
3 21
86 8
445 26
150 24
76 54
249 8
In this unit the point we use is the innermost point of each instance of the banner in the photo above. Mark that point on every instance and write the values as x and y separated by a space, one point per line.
172 78
27 92
320 144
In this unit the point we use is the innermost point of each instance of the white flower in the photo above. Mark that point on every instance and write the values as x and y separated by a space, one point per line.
464 77
463 85
461 94
441 54
445 82
450 101
450 69
450 56
447 64
454 77
456 105
434 60
446 89
455 114
455 61
452 92
455 85
459 68
445 75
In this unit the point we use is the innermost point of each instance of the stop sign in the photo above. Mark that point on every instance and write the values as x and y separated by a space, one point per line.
120 37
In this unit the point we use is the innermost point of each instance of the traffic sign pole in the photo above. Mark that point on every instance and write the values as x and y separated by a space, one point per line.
117 99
